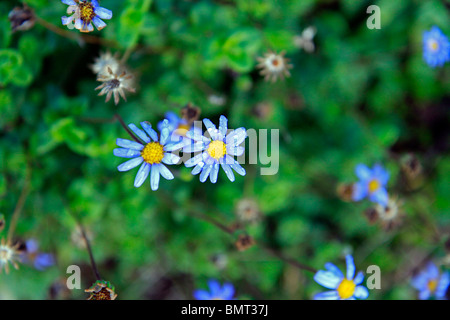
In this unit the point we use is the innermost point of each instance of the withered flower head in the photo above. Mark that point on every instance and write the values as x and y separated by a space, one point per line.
274 66
9 254
190 113
390 216
345 191
247 210
21 19
412 171
115 84
244 242
305 40
101 290
105 60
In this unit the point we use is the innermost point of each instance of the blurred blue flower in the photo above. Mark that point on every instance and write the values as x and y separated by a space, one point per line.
84 13
436 47
152 154
343 287
372 184
430 282
177 126
31 255
216 292
217 150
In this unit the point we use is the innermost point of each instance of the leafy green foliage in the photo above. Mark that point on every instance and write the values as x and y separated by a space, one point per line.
364 96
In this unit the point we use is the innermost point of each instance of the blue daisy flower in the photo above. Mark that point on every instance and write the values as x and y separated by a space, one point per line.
218 150
430 282
84 13
436 47
372 184
177 126
216 292
343 287
31 255
151 154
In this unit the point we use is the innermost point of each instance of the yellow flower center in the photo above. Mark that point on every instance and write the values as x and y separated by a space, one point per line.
346 289
182 129
217 149
86 11
434 45
432 285
153 153
374 185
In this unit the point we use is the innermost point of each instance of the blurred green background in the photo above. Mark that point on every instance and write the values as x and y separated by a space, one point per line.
364 96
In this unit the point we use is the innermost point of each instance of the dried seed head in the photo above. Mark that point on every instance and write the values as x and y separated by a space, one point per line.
115 84
244 242
274 66
22 19
101 290
345 191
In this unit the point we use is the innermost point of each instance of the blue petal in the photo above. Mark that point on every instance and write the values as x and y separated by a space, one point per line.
98 23
170 158
327 279
331 267
360 191
194 147
361 292
209 125
103 13
432 270
381 174
380 196
214 173
69 2
236 137
126 153
128 144
142 174
165 132
443 285
148 128
130 164
140 133
228 171
363 172
420 281
198 168
235 151
227 291
237 167
154 177
31 246
223 125
205 173
43 261
327 295
424 294
202 295
166 174
173 146
214 288
194 160
78 24
359 278
350 267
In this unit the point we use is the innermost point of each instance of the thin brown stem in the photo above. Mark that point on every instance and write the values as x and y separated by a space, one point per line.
118 117
19 206
74 36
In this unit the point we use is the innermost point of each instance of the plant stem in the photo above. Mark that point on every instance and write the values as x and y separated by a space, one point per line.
118 117
19 206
